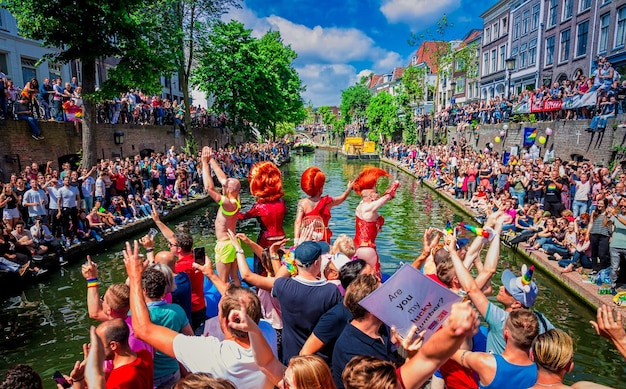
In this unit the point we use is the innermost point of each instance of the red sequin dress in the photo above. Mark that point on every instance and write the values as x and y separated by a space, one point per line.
271 216
321 212
366 233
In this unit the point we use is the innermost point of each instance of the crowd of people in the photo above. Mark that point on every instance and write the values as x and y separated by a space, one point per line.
54 100
573 211
46 210
604 89
299 323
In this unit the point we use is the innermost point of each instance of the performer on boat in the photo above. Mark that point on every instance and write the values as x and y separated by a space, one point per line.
315 209
266 184
368 221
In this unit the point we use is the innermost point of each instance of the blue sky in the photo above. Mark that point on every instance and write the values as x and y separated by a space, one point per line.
339 41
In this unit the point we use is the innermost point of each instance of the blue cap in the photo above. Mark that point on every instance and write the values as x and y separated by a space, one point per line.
525 294
306 253
461 242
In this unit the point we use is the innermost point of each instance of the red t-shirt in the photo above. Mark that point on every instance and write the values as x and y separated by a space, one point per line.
184 264
138 374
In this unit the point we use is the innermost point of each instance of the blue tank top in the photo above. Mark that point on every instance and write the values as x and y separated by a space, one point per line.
512 376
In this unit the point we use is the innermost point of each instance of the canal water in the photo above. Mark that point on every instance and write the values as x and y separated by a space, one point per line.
45 325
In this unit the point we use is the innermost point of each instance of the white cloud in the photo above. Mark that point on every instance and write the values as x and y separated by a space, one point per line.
324 82
325 54
410 11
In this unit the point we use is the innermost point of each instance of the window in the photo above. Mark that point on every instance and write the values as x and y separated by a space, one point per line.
532 52
584 5
620 31
568 9
581 38
504 25
522 56
552 12
485 64
487 35
535 20
516 23
28 69
3 64
494 61
550 51
525 22
496 31
604 32
564 48
54 70
502 56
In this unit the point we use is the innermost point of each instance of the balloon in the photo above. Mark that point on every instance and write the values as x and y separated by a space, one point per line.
502 133
505 127
548 131
491 145
542 139
486 150
497 139
526 156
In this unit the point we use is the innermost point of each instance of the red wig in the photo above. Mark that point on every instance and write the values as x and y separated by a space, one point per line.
312 181
367 179
266 182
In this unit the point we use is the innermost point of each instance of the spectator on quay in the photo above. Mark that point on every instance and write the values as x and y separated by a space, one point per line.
3 94
23 112
45 90
600 231
68 200
9 201
24 241
59 95
36 200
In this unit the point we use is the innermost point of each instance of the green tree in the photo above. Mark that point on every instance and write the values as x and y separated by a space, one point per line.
414 84
354 102
382 116
84 31
330 120
252 80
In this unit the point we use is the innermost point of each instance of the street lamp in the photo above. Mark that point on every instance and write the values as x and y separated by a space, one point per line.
510 66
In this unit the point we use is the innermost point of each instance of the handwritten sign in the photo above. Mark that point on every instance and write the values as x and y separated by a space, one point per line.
410 298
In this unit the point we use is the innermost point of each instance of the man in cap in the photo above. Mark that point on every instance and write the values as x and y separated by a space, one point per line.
515 293
303 298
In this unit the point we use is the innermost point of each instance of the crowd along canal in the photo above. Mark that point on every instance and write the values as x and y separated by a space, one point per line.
45 325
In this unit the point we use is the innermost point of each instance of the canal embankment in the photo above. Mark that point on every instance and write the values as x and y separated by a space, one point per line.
578 284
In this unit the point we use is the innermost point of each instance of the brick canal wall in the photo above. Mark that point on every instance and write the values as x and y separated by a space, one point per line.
60 140
568 137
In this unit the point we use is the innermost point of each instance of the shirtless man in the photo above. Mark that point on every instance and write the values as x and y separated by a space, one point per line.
226 219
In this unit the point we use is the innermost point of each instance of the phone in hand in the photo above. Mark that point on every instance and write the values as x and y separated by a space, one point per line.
199 254
152 233
59 379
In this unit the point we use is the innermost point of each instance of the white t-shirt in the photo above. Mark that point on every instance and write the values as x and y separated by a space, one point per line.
222 359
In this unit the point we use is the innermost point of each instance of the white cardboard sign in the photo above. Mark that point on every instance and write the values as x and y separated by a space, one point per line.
409 297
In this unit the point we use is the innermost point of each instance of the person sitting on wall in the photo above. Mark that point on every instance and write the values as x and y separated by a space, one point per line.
23 112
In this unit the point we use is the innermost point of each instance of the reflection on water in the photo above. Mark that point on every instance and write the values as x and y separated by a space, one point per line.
46 325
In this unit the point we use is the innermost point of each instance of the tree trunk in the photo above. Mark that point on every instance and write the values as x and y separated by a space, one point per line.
89 115
184 85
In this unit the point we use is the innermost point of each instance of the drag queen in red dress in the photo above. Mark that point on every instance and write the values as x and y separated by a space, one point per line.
315 210
266 184
368 221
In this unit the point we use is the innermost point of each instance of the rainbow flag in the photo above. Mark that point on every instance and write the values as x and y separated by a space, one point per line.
530 134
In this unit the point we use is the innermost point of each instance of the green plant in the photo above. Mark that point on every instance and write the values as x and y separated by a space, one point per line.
191 146
532 118
614 126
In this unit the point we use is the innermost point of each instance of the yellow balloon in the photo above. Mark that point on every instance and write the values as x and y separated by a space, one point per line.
497 139
542 139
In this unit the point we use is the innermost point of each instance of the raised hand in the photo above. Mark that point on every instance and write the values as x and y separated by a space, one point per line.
89 269
132 262
463 319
